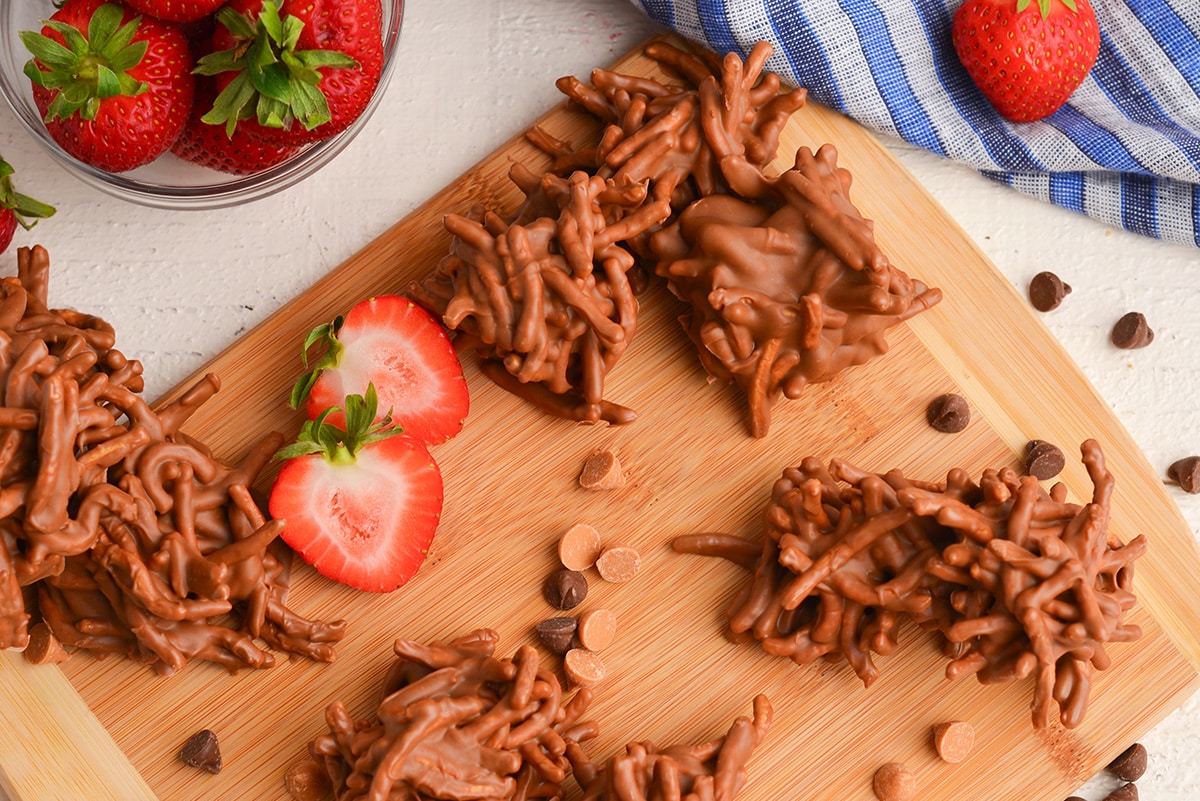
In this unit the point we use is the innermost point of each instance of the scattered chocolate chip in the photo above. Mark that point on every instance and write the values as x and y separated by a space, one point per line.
602 471
1043 460
565 589
1186 472
618 563
948 413
584 668
1075 798
557 633
579 546
202 751
1132 331
1047 290
1131 764
1126 792
597 629
953 740
307 781
894 782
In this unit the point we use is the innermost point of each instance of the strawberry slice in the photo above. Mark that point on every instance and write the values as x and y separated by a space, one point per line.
391 342
360 503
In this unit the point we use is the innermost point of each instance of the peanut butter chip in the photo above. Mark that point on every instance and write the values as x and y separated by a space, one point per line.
602 471
597 629
584 668
44 648
619 563
895 782
954 740
307 782
579 547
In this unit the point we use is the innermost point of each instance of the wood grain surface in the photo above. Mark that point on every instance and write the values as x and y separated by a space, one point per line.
112 729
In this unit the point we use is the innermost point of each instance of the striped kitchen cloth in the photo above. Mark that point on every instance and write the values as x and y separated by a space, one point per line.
1125 149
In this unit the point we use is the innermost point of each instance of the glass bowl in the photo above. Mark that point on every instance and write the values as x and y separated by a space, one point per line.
169 182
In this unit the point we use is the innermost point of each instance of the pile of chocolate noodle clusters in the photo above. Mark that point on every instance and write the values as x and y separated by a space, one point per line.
119 532
457 722
1018 581
784 282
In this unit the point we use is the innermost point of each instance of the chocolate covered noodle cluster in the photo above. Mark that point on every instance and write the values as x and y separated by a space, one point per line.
547 295
713 771
121 533
458 723
784 280
1018 581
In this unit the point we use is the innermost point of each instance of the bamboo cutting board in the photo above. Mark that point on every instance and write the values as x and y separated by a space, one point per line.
111 729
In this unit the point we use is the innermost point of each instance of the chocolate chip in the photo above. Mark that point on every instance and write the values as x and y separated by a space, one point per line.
565 589
1131 764
1126 792
1132 331
948 413
1046 291
1043 460
202 751
557 633
894 782
1186 472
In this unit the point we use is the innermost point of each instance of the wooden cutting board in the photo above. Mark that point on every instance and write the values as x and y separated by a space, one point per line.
111 729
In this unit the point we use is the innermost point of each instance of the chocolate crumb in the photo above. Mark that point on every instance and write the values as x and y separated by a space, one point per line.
1043 460
557 633
948 413
202 751
1186 472
1131 764
565 589
1047 290
1132 331
1126 792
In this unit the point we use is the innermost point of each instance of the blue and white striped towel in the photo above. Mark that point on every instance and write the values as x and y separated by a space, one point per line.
1125 149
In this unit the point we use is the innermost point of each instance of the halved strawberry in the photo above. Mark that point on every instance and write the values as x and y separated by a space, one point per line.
391 342
360 504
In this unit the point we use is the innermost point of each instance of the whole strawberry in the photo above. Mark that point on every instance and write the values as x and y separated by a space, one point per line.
16 209
295 71
210 146
114 89
176 10
1027 58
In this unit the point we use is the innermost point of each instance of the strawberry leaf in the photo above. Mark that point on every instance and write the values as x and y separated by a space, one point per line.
342 444
27 210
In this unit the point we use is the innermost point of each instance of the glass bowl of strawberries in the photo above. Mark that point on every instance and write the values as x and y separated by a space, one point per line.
196 104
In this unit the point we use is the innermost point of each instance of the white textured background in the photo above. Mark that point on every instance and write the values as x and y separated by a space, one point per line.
181 286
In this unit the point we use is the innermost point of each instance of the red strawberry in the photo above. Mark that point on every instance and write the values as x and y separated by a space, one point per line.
295 71
392 343
115 90
16 209
360 504
176 10
210 146
1026 58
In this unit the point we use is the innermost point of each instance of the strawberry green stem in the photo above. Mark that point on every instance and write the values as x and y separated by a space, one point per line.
86 69
276 84
341 445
